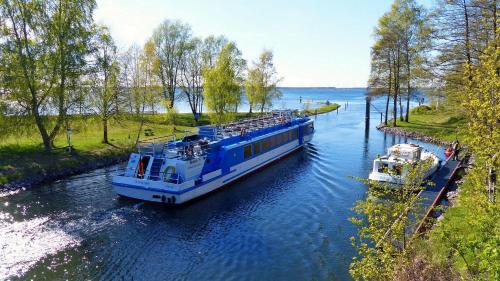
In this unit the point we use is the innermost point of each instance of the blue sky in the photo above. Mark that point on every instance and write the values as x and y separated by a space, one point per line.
315 43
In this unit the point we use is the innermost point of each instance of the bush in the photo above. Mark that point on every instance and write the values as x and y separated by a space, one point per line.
421 109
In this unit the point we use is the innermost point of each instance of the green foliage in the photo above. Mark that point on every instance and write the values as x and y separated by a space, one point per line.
171 42
261 84
384 217
43 46
223 82
321 109
468 238
422 109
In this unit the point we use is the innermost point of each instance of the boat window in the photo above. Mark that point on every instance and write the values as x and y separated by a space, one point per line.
265 144
247 151
256 147
382 167
273 141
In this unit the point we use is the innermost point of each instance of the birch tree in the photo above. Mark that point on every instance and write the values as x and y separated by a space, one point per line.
223 83
44 44
171 41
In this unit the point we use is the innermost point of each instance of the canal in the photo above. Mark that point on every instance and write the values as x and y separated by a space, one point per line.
287 222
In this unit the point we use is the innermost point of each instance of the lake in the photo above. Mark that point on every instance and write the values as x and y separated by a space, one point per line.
287 222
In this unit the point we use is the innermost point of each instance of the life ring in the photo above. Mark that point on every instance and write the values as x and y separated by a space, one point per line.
165 172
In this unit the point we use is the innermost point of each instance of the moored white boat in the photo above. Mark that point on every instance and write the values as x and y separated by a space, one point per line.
174 172
391 167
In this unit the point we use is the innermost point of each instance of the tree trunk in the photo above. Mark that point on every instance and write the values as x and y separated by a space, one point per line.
401 118
395 109
105 130
389 91
408 83
47 144
387 108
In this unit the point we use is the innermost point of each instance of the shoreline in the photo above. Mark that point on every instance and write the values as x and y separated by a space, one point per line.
398 131
52 175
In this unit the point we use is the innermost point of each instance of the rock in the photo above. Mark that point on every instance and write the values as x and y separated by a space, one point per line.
410 134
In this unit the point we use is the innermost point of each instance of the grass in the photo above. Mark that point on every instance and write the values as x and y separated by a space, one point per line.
22 155
321 109
440 124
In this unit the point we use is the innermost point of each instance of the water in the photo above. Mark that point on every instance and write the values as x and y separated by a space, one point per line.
287 222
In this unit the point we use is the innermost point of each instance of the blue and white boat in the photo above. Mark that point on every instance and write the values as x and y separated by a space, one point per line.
176 171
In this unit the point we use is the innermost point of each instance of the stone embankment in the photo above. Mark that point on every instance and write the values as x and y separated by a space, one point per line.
51 175
410 134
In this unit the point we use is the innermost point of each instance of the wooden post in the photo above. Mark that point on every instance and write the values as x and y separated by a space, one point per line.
367 113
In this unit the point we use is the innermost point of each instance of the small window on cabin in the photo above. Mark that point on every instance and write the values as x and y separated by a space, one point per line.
247 151
273 141
256 148
382 167
265 144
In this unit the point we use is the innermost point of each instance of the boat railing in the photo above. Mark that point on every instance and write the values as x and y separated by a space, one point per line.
154 146
248 125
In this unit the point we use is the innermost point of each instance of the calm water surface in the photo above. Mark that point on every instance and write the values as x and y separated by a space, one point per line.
287 222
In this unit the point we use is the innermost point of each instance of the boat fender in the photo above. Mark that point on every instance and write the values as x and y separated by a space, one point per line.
173 199
163 198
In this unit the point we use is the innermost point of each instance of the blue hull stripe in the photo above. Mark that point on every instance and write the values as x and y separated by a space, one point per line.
197 186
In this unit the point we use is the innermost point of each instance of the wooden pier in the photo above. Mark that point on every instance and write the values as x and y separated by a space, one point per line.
433 194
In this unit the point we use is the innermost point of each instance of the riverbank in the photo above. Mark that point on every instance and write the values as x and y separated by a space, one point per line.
322 109
439 127
24 162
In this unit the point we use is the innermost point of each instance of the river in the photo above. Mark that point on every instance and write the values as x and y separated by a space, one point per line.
287 222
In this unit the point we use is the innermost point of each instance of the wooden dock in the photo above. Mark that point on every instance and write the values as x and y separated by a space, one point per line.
432 194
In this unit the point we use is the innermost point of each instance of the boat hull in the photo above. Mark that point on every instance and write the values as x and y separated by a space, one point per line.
165 193
384 177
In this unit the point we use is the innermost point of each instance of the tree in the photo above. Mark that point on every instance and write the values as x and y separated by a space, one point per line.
192 76
481 101
380 81
44 44
171 41
222 83
462 30
212 46
261 85
383 220
105 95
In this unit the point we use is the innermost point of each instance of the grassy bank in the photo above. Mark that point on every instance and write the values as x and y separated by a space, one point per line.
440 124
22 155
322 109
23 159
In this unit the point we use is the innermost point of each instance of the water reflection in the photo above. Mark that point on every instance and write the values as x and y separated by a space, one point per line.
286 222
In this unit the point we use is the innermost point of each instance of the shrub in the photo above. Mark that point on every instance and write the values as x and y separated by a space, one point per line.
421 109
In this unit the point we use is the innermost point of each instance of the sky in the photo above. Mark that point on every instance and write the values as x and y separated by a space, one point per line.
316 43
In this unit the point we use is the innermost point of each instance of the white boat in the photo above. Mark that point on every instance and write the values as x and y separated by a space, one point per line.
174 172
391 167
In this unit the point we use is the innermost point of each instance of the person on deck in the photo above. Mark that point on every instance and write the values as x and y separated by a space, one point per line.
456 149
448 152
